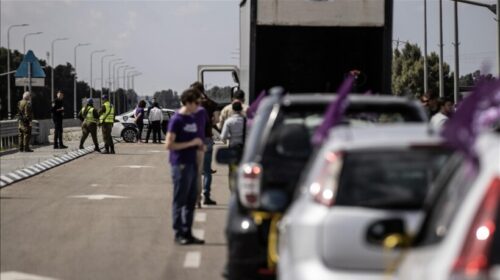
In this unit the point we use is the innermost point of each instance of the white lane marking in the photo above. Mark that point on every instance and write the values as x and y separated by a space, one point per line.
192 260
136 166
156 151
94 185
13 175
22 173
14 275
199 233
6 179
35 169
30 172
200 217
98 196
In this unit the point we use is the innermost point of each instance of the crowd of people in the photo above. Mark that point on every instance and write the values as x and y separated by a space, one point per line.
439 110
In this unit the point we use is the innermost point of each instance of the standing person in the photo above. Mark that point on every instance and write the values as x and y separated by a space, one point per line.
106 120
90 118
155 118
213 117
234 130
57 117
201 118
445 110
139 118
227 111
182 142
25 116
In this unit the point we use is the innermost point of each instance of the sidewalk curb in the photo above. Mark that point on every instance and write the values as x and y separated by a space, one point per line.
24 173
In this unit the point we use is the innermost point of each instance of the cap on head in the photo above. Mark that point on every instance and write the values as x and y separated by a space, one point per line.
26 95
105 97
90 101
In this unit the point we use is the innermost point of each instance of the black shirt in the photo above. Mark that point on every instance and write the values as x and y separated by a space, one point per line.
58 104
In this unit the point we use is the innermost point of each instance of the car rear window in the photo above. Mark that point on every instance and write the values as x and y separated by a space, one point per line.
382 113
388 179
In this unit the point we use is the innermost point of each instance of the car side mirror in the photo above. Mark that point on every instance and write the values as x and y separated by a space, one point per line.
389 233
228 156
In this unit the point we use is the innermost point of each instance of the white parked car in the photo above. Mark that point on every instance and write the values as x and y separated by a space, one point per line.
460 236
126 128
363 178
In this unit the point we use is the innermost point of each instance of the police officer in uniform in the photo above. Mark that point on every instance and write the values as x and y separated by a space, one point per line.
106 120
90 118
25 116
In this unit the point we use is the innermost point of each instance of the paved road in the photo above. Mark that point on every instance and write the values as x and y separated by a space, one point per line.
49 227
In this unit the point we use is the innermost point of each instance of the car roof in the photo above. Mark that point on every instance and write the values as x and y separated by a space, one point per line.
319 98
382 135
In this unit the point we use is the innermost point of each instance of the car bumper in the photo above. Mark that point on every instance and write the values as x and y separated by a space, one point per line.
300 251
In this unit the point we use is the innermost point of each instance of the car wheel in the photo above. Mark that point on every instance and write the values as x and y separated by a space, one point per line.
129 135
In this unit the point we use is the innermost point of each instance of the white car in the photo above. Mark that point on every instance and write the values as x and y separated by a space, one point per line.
360 176
460 236
126 128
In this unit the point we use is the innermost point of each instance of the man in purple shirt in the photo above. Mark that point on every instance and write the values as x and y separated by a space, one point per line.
183 141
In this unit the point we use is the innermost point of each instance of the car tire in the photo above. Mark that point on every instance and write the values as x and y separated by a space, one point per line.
129 135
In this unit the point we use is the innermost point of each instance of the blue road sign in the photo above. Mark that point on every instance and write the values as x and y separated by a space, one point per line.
36 68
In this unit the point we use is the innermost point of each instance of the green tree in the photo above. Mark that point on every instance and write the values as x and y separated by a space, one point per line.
408 72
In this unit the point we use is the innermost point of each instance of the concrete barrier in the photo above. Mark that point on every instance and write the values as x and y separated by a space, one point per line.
9 133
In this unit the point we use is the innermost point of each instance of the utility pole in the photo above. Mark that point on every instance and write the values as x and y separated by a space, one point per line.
441 80
457 65
426 74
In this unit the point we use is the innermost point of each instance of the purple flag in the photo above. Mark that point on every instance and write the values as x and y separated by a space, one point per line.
334 112
252 110
479 110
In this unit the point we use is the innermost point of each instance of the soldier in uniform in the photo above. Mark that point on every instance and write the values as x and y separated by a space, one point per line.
106 120
25 116
90 118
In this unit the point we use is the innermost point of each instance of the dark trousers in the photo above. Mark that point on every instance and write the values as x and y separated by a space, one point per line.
184 198
140 127
155 126
207 167
58 132
106 134
92 129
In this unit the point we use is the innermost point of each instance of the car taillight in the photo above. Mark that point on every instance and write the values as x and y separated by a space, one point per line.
324 188
473 262
250 175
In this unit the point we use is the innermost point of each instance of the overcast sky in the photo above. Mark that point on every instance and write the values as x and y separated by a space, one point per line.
166 40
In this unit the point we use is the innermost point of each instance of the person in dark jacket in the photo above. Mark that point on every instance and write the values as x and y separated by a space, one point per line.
57 117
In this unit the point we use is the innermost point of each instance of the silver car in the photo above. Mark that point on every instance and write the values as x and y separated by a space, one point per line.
360 183
125 127
460 237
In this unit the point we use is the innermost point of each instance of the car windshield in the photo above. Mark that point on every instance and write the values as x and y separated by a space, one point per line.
389 179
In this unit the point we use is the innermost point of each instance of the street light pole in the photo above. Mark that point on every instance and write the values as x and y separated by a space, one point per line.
441 78
52 70
118 81
24 39
426 75
109 74
496 10
102 71
9 111
74 80
457 65
114 79
91 54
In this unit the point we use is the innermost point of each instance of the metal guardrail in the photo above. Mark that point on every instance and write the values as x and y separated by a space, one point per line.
9 133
